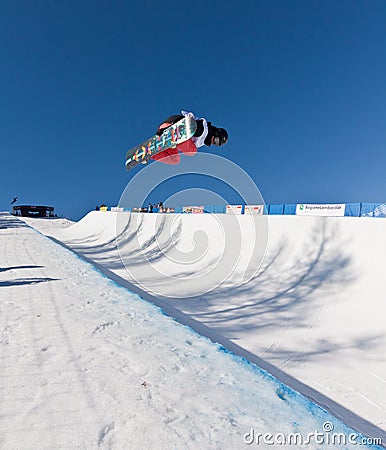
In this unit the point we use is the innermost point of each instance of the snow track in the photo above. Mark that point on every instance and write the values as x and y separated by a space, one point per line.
312 315
45 391
87 364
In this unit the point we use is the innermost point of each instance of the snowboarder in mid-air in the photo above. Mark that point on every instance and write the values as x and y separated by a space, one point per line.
14 200
180 133
206 134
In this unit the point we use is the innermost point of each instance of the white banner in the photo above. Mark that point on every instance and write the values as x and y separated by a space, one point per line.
254 209
234 209
380 211
193 209
332 210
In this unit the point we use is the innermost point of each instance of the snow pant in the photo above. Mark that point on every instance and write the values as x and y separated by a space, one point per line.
171 155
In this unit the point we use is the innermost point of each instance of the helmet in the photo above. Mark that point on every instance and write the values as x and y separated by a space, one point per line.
220 136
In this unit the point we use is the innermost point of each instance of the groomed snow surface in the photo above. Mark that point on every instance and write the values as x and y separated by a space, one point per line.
87 363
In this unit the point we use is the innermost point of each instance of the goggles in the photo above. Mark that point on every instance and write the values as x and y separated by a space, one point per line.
217 141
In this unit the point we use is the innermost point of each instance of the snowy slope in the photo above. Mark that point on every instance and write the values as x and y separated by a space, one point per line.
313 315
87 364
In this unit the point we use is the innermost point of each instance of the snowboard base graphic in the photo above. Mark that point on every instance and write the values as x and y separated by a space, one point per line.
170 138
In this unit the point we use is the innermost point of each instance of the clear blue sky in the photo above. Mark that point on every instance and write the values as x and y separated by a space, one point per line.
299 84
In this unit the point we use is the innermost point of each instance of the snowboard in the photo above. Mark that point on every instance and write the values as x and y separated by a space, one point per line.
172 136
